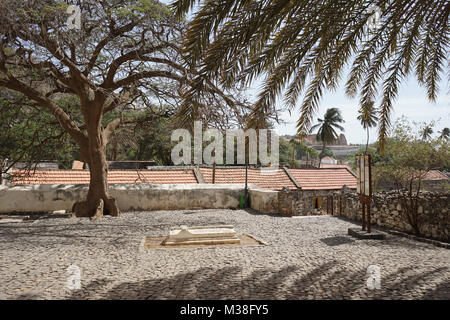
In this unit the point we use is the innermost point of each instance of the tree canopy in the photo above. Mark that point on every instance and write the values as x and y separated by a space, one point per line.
124 55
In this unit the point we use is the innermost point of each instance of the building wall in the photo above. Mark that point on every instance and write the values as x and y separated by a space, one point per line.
302 202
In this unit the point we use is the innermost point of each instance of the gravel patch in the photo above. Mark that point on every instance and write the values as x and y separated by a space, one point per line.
307 258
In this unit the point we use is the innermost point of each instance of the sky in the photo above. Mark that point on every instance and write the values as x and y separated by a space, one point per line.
411 101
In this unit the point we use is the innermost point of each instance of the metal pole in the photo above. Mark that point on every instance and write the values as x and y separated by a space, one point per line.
214 173
368 216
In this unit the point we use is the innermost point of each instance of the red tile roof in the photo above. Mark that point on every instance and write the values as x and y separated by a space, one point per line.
435 175
275 181
114 176
323 179
309 179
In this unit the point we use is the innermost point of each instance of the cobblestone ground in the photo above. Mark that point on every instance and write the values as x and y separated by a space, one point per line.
305 258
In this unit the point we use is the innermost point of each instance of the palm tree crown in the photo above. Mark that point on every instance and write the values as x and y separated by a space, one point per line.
327 133
426 133
367 118
444 134
304 46
367 115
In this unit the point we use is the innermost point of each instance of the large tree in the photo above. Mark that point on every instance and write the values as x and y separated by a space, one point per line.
306 45
122 53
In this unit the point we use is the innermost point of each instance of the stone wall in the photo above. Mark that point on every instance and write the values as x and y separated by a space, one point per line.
129 197
387 212
438 186
301 202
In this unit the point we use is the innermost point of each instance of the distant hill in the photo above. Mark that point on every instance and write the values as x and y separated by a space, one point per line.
311 140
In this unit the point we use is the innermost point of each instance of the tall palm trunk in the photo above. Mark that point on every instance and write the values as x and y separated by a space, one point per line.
293 155
367 143
323 151
307 157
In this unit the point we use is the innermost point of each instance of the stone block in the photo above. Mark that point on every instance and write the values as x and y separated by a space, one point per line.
360 234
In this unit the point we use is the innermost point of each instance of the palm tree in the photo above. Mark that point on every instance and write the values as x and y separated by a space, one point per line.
305 45
326 132
426 133
444 134
368 118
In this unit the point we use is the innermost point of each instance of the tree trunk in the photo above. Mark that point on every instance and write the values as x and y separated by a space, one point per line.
98 201
367 143
307 158
293 155
323 151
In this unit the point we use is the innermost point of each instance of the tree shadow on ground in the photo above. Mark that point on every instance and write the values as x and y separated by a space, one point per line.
326 281
337 240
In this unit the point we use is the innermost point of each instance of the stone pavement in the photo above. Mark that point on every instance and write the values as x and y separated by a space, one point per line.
305 258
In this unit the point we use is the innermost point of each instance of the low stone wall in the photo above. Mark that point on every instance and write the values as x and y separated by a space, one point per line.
437 186
301 202
386 211
129 197
264 201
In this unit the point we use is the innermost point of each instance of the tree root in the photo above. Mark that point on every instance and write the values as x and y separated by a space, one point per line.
96 210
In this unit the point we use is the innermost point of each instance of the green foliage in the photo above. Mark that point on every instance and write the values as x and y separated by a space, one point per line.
301 150
408 157
372 150
154 143
30 136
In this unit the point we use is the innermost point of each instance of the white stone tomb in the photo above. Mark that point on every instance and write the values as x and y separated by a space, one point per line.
184 235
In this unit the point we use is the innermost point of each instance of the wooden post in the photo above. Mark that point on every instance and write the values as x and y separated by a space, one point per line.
363 211
369 198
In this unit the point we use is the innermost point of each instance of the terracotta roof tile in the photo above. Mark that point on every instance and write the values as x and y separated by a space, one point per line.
309 179
114 176
323 179
275 181
435 175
